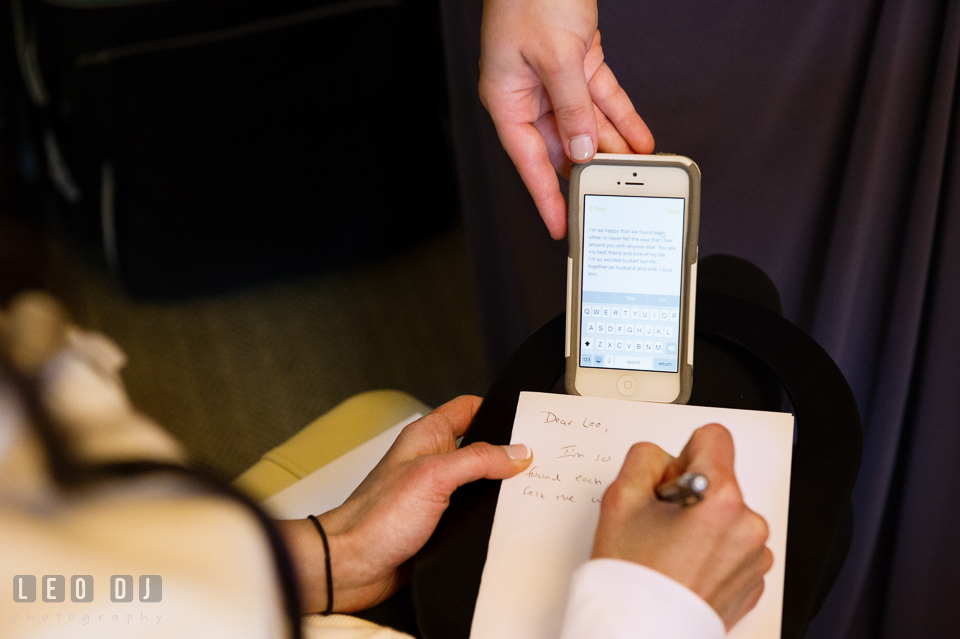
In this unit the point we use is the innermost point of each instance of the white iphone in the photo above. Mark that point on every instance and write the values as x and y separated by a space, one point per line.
631 277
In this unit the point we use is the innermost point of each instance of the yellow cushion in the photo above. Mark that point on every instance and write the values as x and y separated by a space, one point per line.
340 430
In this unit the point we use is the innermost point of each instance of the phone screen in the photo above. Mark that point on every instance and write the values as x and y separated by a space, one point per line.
631 285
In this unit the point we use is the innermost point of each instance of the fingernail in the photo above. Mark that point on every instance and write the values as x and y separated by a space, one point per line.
581 148
517 451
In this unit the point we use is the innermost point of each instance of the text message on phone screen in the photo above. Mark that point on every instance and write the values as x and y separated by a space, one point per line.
632 271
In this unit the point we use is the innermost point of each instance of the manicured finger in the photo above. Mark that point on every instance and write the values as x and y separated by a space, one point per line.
610 98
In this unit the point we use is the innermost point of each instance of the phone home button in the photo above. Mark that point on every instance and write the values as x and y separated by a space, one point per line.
628 385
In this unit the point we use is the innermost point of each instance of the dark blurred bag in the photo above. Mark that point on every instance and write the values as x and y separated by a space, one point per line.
211 144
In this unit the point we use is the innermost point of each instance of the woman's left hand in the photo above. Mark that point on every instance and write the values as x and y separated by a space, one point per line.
393 512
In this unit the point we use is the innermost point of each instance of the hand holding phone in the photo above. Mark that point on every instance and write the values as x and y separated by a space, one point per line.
631 277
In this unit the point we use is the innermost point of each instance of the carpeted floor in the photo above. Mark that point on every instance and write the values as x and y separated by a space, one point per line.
236 374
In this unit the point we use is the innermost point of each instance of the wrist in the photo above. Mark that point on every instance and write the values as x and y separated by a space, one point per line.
356 585
309 562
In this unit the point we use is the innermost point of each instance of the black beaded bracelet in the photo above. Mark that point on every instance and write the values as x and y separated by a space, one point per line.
326 552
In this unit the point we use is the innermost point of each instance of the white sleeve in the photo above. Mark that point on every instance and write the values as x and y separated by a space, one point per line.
614 599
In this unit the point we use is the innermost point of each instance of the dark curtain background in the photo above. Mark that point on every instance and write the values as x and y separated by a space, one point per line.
827 135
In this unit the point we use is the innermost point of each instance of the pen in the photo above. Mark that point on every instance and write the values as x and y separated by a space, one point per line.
686 490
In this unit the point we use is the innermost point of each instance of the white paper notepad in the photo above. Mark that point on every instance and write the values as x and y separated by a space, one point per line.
543 528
